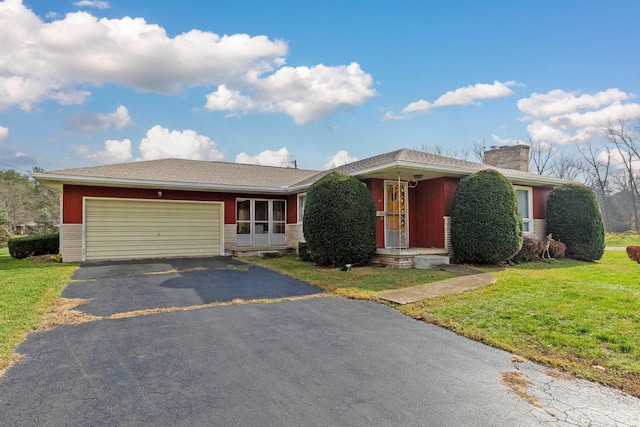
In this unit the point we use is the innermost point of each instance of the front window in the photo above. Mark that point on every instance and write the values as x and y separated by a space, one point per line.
525 198
302 200
260 222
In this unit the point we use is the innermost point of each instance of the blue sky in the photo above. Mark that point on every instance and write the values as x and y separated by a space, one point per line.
322 83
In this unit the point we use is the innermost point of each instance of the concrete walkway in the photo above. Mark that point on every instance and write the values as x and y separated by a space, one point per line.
467 278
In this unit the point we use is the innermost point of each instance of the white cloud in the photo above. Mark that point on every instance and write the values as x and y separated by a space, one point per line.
598 118
617 160
59 59
98 4
115 152
306 94
418 106
92 122
464 96
564 118
266 158
502 141
342 157
390 116
9 154
224 99
160 143
558 102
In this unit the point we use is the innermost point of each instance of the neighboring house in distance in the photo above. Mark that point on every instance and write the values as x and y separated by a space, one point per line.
174 207
21 229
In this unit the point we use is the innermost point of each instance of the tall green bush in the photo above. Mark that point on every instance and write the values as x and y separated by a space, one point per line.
486 226
339 223
574 218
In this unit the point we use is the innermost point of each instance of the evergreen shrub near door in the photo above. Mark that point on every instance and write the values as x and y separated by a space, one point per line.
339 223
486 226
574 219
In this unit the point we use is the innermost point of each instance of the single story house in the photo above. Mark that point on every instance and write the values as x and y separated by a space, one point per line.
177 207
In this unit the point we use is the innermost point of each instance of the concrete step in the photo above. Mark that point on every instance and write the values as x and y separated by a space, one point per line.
429 261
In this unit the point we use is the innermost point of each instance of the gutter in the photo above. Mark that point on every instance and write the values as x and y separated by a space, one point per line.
49 179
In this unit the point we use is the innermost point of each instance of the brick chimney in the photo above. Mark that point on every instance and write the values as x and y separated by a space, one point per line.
509 157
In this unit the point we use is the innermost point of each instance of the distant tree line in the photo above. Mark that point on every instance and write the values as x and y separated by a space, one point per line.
25 203
609 165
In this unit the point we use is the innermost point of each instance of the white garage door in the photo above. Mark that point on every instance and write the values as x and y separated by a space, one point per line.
132 229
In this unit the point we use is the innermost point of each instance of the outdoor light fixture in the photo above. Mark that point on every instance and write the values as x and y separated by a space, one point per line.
414 183
159 193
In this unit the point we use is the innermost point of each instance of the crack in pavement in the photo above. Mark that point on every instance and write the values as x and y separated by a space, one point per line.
569 400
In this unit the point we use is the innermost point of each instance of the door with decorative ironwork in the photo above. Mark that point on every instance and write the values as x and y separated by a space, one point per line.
396 218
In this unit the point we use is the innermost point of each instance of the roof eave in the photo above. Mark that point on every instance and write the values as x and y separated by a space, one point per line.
54 180
448 171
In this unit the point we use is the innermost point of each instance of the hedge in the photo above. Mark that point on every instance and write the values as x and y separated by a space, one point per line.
36 245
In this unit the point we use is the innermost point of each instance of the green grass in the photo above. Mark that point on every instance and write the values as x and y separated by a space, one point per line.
27 289
568 314
359 283
628 238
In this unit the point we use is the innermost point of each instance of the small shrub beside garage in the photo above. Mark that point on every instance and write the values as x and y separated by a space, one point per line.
37 245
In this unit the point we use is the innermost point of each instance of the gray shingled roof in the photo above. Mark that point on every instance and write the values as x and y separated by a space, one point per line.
234 175
418 159
192 172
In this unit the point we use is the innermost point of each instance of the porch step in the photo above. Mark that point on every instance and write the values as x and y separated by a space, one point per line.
269 254
393 261
263 251
429 261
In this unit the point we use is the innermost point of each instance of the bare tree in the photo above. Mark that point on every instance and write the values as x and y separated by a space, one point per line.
597 169
567 167
540 154
628 147
440 150
479 149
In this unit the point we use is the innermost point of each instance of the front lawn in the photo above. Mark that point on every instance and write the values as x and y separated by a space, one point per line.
358 283
628 238
27 289
582 317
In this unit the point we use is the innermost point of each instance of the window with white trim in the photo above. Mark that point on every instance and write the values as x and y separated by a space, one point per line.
525 204
302 200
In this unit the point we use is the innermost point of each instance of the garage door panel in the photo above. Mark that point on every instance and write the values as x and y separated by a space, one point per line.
128 228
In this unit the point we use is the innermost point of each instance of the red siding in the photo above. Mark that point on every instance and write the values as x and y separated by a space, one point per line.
376 187
73 194
540 197
429 203
292 209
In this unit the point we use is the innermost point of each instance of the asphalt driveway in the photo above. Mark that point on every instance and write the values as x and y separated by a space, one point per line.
314 362
122 286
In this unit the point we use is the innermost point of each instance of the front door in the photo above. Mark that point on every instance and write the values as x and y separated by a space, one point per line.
396 218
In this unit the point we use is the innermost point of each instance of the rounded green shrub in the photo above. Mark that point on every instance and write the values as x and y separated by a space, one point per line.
574 218
339 223
486 226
